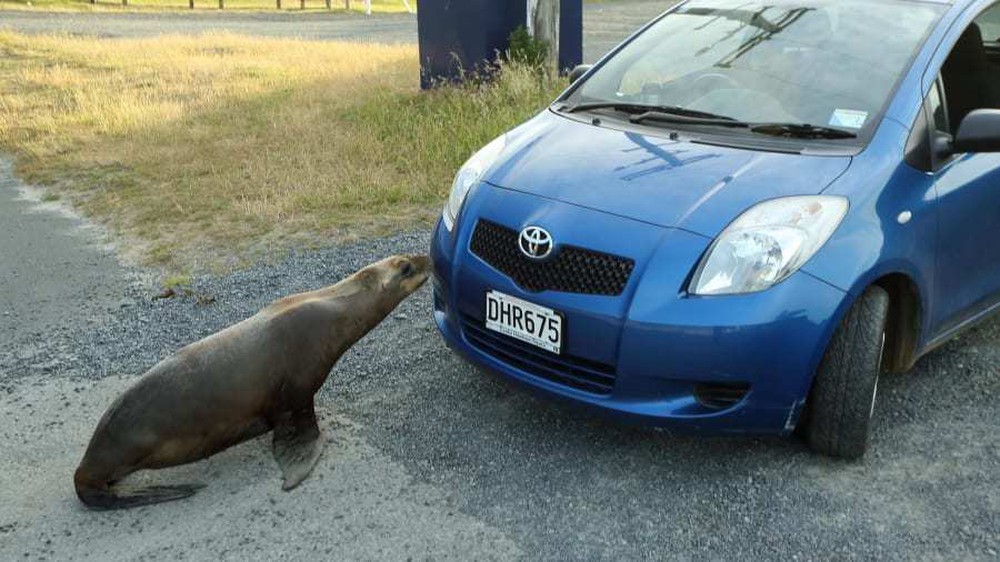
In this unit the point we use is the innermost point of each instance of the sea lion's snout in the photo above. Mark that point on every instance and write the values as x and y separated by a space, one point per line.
414 271
395 277
420 263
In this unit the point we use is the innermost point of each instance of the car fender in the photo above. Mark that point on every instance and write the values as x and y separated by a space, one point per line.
891 226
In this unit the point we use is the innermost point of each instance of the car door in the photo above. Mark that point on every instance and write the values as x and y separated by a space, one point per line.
968 185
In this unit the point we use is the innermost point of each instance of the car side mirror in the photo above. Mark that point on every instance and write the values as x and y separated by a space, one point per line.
579 71
978 132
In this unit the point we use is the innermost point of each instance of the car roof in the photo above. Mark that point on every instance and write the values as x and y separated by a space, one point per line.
945 2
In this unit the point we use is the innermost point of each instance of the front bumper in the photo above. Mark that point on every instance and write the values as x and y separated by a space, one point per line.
661 344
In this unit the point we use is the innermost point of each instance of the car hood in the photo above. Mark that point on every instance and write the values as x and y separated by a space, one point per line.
673 183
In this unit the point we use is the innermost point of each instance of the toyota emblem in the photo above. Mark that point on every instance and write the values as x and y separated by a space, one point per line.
535 242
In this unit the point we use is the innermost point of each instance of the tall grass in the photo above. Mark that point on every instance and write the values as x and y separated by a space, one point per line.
425 137
212 150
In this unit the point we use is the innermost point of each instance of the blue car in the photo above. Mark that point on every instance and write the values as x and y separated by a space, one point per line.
740 217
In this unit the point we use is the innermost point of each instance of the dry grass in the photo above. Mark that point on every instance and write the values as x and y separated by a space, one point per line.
380 6
208 151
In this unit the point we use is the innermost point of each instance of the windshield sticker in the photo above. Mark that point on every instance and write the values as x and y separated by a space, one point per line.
849 118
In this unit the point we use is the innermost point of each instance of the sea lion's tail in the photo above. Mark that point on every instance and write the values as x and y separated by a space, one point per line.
101 496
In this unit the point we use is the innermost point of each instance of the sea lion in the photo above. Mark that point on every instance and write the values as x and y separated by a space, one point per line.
253 377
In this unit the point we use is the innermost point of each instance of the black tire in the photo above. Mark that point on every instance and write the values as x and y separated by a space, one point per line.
842 400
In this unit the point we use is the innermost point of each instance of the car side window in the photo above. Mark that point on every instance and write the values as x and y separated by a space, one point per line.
971 73
931 123
938 109
989 23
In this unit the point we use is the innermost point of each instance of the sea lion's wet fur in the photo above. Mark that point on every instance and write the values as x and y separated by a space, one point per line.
258 375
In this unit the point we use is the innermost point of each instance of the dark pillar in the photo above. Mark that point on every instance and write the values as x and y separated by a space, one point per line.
570 34
463 35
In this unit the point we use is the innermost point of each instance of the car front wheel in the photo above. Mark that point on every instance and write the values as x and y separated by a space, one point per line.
842 401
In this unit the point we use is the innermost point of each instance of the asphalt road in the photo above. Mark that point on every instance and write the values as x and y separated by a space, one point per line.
605 25
430 458
381 28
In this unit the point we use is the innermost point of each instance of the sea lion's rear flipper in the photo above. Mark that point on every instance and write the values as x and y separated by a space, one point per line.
297 445
106 498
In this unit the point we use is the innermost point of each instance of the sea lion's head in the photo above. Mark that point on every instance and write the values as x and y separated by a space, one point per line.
408 273
396 277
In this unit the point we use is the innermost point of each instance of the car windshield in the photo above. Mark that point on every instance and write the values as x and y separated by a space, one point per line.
824 63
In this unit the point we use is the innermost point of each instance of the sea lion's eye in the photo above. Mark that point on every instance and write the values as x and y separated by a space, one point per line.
406 270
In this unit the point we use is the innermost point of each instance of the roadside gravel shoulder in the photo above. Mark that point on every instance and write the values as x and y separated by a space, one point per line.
358 503
424 443
54 268
78 328
429 457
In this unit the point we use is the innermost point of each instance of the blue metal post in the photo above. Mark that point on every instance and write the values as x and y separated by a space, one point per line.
459 36
570 34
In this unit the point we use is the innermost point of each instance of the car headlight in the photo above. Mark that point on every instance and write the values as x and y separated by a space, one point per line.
768 243
470 173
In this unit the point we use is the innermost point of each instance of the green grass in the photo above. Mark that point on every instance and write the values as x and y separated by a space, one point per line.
211 151
428 136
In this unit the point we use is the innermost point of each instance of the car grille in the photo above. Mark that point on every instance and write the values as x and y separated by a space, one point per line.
581 374
570 270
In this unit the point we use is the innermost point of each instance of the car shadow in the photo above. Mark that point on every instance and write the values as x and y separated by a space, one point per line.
453 416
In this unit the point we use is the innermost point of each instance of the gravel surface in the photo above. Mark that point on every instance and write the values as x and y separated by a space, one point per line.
431 458
605 25
53 261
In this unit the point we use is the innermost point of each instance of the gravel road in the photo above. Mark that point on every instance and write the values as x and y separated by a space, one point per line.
605 25
429 458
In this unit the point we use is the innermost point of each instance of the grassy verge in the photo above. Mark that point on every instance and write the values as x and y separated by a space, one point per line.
380 6
205 152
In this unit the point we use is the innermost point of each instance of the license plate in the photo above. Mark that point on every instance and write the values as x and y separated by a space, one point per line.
525 321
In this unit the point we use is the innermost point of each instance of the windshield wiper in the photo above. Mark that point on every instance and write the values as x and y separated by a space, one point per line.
801 131
642 111
667 117
675 114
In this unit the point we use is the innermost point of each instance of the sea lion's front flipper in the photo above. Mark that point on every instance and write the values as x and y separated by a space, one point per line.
297 445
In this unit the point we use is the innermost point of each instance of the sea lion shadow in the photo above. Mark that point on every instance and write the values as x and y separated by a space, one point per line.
247 465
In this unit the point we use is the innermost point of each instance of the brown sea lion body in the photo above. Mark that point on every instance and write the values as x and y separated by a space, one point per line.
253 377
